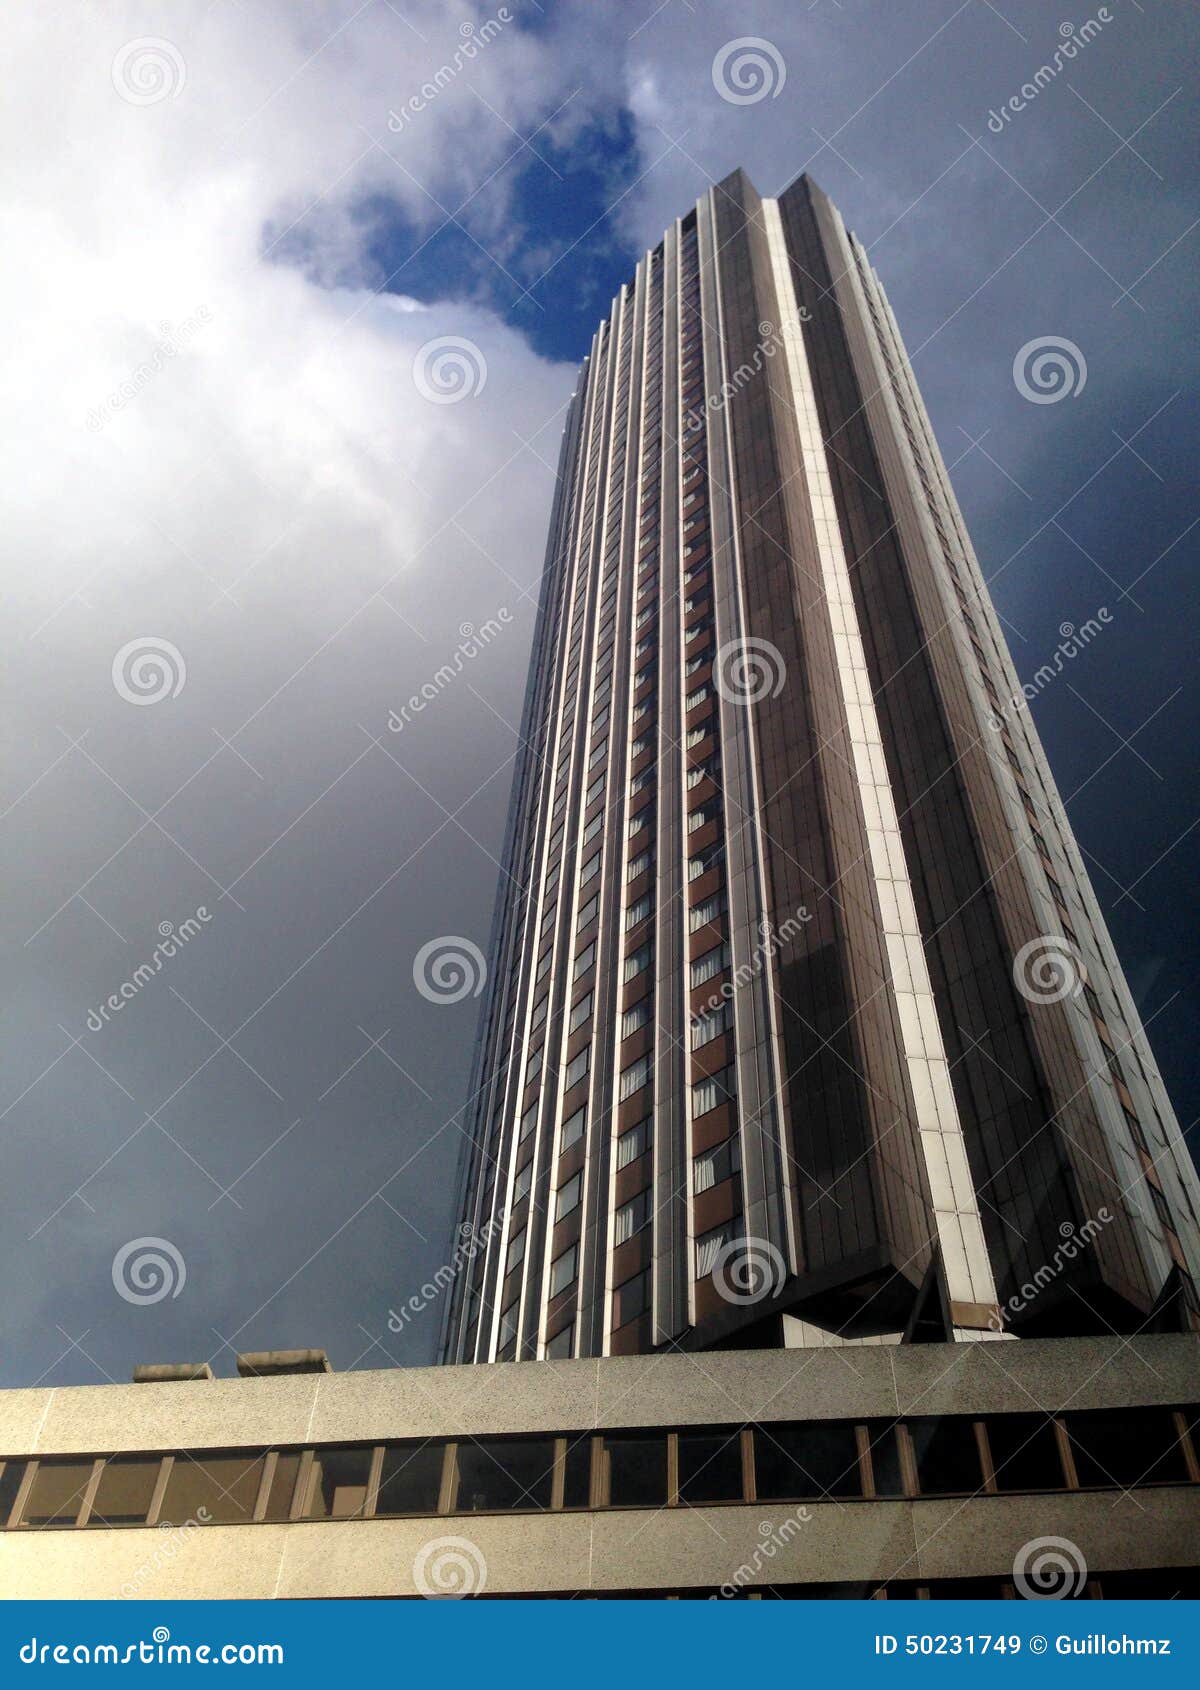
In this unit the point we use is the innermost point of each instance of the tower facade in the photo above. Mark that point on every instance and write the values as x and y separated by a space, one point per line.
803 1022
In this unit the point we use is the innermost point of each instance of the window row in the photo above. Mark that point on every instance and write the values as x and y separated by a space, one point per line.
954 1455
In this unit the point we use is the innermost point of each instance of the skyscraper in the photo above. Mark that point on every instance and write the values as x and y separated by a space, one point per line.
804 1025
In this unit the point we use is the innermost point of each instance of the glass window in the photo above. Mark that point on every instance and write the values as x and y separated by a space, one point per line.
577 1474
637 1017
577 1068
411 1479
715 1089
283 1485
508 1326
224 1482
701 914
57 1493
697 819
710 1467
718 1164
813 1459
516 1251
588 910
635 1076
885 1459
593 827
705 968
522 1182
634 1143
580 1010
631 1217
126 1488
591 867
584 960
563 1269
1024 1452
711 1024
505 1473
1126 1447
528 1121
710 1244
573 1128
639 865
637 960
559 1348
11 1476
568 1196
631 1298
636 1465
947 1454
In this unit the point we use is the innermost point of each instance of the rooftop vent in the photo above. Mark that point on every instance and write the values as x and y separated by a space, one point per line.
269 1364
169 1372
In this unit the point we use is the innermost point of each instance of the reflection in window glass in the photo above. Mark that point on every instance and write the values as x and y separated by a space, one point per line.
505 1473
339 1483
57 1493
283 1486
1124 1447
807 1460
637 1470
1024 1452
126 1488
710 1466
411 1479
10 1484
577 1473
222 1482
947 1455
885 1459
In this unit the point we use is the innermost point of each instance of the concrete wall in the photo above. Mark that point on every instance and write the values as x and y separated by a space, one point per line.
618 1548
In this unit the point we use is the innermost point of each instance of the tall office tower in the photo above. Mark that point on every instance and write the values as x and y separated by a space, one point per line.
804 1023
